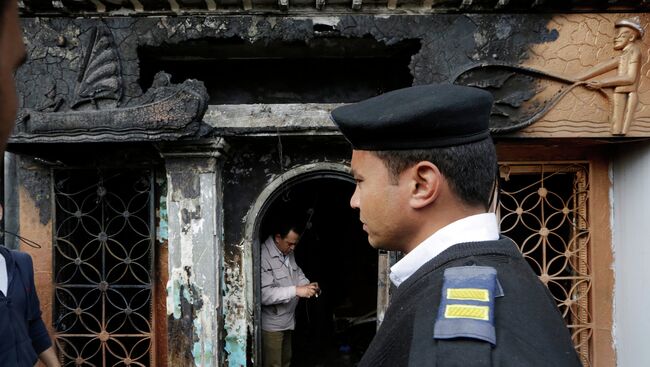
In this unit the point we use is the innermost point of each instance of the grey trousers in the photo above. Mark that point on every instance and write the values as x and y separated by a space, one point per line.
277 348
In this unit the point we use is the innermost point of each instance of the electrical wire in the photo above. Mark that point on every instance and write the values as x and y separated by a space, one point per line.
24 240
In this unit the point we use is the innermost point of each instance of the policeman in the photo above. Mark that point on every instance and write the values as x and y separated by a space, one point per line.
425 165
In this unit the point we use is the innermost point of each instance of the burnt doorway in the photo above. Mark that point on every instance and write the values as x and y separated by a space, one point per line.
335 328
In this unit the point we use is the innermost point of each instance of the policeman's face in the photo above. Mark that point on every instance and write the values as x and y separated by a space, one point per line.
624 37
12 55
380 201
288 243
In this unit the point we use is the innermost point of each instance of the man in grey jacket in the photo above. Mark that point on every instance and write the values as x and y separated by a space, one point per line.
283 283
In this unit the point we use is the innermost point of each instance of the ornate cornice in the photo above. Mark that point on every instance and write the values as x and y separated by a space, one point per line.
96 112
156 7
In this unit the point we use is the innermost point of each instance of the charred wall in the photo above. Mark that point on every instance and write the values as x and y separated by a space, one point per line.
319 70
439 47
253 163
388 51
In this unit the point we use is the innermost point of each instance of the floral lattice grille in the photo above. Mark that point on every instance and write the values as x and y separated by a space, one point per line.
103 266
543 208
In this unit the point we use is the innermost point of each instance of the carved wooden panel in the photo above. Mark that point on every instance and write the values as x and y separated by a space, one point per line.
584 41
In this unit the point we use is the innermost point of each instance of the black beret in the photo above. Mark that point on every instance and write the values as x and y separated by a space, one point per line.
426 116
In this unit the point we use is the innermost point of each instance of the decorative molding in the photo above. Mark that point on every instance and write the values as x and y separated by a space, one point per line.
579 85
271 119
156 7
166 111
204 148
522 95
100 77
171 117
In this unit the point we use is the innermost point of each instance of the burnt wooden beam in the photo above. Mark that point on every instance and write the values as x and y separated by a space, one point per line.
269 119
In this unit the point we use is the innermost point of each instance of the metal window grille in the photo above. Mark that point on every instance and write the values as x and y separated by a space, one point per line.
103 267
543 208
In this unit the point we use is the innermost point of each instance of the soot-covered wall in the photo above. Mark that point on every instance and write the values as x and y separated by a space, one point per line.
449 44
433 48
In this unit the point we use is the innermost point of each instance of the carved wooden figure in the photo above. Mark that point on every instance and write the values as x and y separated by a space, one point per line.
626 80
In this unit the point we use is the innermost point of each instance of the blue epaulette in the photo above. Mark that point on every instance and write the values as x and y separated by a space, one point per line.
467 304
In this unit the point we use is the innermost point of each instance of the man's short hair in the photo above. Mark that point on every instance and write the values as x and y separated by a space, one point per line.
470 168
283 227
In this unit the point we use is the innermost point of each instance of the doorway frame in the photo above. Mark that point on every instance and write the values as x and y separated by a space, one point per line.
251 260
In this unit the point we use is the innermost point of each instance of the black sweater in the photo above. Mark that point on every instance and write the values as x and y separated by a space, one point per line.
530 330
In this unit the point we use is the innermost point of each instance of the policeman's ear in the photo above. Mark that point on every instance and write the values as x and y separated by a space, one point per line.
426 181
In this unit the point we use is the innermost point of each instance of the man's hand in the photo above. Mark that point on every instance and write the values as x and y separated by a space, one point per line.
307 291
594 84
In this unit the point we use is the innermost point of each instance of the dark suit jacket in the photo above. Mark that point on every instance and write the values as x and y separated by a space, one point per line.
23 335
530 330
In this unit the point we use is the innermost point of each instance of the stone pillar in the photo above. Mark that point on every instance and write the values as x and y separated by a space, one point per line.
194 205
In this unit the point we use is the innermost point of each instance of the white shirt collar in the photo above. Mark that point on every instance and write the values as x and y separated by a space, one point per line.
479 227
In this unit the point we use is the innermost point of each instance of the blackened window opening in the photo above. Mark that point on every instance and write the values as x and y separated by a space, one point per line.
103 266
321 70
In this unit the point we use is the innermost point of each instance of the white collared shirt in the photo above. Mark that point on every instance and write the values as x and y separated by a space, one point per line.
3 275
479 227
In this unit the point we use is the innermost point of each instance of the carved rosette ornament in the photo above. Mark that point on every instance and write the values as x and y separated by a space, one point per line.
165 112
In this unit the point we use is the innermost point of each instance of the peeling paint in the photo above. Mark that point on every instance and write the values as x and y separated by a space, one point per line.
163 225
193 315
192 290
235 315
174 288
202 349
184 302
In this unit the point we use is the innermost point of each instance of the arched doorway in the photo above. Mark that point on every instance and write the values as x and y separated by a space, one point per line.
335 328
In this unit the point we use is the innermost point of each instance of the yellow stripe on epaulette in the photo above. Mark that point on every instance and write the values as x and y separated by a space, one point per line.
468 294
467 312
